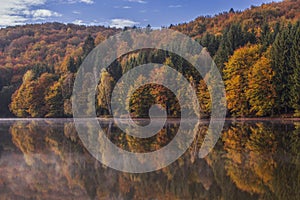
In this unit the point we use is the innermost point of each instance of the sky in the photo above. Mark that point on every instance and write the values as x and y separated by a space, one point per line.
114 13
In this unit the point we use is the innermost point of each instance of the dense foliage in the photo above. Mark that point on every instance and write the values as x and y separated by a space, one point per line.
257 52
32 50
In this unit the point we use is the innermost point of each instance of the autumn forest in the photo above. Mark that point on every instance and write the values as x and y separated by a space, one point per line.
257 52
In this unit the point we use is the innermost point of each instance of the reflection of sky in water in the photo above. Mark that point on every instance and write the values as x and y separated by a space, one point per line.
45 160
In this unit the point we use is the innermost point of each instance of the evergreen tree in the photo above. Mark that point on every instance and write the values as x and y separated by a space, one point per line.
265 35
233 38
222 55
280 62
211 42
295 62
88 46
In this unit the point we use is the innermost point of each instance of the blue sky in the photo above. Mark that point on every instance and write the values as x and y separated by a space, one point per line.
116 13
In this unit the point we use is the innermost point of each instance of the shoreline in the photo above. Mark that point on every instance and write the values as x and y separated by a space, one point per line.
241 119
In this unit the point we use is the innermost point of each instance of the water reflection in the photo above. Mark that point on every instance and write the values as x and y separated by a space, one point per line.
45 159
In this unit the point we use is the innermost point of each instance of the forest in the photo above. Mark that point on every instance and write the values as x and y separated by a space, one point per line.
257 52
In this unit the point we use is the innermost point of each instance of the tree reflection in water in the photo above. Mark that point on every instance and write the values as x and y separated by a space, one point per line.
45 159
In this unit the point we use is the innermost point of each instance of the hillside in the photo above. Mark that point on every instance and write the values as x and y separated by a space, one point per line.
44 44
251 18
256 50
41 47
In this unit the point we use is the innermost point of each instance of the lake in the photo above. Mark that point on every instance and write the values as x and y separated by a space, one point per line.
45 159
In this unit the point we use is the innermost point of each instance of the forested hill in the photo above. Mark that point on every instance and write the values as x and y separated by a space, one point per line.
257 52
251 18
48 47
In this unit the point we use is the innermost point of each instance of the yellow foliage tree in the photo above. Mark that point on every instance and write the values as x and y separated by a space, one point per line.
261 92
236 78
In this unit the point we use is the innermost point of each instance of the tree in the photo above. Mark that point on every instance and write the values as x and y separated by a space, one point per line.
295 62
99 38
54 101
88 46
204 99
68 64
211 42
135 100
28 100
265 35
280 62
261 92
37 106
105 89
236 79
20 103
222 55
141 99
67 82
233 37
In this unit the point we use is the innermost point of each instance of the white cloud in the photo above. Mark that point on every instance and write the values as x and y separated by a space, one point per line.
43 13
78 22
123 7
87 1
10 20
175 6
121 23
137 1
78 1
16 12
90 23
76 12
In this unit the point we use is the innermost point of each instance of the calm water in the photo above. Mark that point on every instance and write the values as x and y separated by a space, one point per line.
45 159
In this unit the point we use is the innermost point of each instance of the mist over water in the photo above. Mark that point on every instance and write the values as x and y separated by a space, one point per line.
252 160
